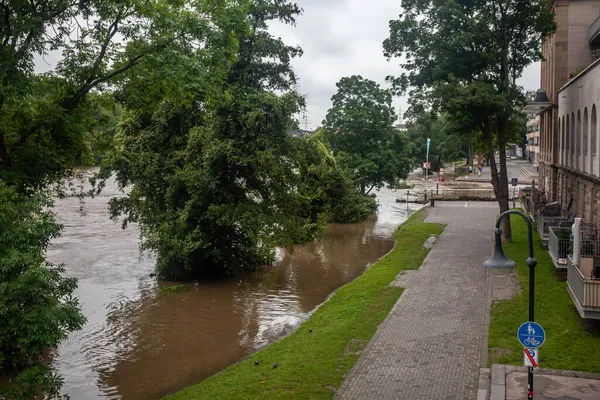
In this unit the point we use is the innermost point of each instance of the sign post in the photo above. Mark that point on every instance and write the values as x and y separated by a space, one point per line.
531 335
427 160
515 182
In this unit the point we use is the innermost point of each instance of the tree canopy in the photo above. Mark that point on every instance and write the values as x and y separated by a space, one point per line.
360 128
216 181
53 121
464 57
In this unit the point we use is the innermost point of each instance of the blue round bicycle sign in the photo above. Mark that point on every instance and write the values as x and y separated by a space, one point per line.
531 335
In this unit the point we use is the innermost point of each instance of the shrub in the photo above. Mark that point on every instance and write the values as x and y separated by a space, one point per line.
37 309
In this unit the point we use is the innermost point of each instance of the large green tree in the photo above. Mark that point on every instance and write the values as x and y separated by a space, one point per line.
448 139
49 122
216 182
43 116
360 128
464 57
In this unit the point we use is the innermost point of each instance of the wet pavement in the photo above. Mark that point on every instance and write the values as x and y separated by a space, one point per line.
509 382
549 387
433 342
141 344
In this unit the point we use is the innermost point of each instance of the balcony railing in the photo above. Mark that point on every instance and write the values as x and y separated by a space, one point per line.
587 291
544 223
559 245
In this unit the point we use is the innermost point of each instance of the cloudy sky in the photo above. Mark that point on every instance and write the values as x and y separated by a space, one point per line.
343 38
339 38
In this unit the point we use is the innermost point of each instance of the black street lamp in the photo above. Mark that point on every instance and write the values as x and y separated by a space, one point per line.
499 260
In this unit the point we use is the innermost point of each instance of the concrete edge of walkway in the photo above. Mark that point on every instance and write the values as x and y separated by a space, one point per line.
492 382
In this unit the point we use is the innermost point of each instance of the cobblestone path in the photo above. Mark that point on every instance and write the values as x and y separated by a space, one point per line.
433 342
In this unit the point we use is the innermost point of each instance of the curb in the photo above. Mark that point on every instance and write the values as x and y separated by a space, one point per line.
492 382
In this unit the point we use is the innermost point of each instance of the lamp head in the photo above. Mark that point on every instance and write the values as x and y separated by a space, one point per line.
499 259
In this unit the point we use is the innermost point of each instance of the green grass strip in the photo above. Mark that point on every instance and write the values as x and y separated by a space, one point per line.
313 365
572 343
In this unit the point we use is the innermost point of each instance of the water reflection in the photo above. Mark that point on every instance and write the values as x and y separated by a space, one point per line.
140 344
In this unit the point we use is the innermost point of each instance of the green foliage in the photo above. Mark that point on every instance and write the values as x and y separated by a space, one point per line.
359 127
44 118
53 121
173 289
463 57
577 71
354 207
36 305
313 364
449 141
216 182
571 344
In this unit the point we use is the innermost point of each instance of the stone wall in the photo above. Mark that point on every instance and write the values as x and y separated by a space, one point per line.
582 192
582 14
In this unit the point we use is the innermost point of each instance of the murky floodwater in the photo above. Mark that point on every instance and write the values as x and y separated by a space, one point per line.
140 344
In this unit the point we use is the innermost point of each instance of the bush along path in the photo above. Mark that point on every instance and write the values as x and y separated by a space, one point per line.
312 362
571 343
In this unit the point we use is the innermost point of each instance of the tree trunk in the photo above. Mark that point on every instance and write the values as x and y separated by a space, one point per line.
499 180
470 155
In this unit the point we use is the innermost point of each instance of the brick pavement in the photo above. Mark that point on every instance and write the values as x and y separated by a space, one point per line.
434 340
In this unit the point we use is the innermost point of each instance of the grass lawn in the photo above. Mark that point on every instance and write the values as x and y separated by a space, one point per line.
313 365
572 343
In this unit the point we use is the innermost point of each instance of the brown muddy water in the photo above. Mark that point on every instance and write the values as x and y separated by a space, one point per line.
141 344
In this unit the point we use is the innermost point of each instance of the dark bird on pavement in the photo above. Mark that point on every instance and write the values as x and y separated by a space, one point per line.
256 362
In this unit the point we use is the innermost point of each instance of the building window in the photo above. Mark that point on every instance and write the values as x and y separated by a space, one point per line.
578 133
573 140
585 131
562 137
568 152
594 131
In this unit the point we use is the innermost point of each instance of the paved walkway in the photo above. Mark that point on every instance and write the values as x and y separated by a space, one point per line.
520 169
433 342
509 382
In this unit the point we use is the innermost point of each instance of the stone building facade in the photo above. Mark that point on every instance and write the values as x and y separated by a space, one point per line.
578 166
565 52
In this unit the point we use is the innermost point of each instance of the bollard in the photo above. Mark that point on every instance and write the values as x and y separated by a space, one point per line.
432 202
437 188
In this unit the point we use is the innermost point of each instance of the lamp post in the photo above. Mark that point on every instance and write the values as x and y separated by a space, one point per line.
499 260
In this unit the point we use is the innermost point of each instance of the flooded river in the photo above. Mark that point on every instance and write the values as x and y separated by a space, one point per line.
141 344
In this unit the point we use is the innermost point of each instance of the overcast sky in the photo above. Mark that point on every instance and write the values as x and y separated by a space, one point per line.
339 38
343 38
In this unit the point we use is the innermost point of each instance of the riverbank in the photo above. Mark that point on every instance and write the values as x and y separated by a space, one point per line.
571 343
312 362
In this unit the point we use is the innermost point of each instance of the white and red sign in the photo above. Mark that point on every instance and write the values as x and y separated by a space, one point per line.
531 357
441 171
426 165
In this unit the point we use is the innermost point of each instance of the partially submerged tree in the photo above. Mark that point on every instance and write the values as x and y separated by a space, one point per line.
216 182
360 128
464 57
48 124
37 309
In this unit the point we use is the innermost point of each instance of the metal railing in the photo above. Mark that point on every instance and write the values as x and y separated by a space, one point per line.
590 242
559 244
462 194
544 223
